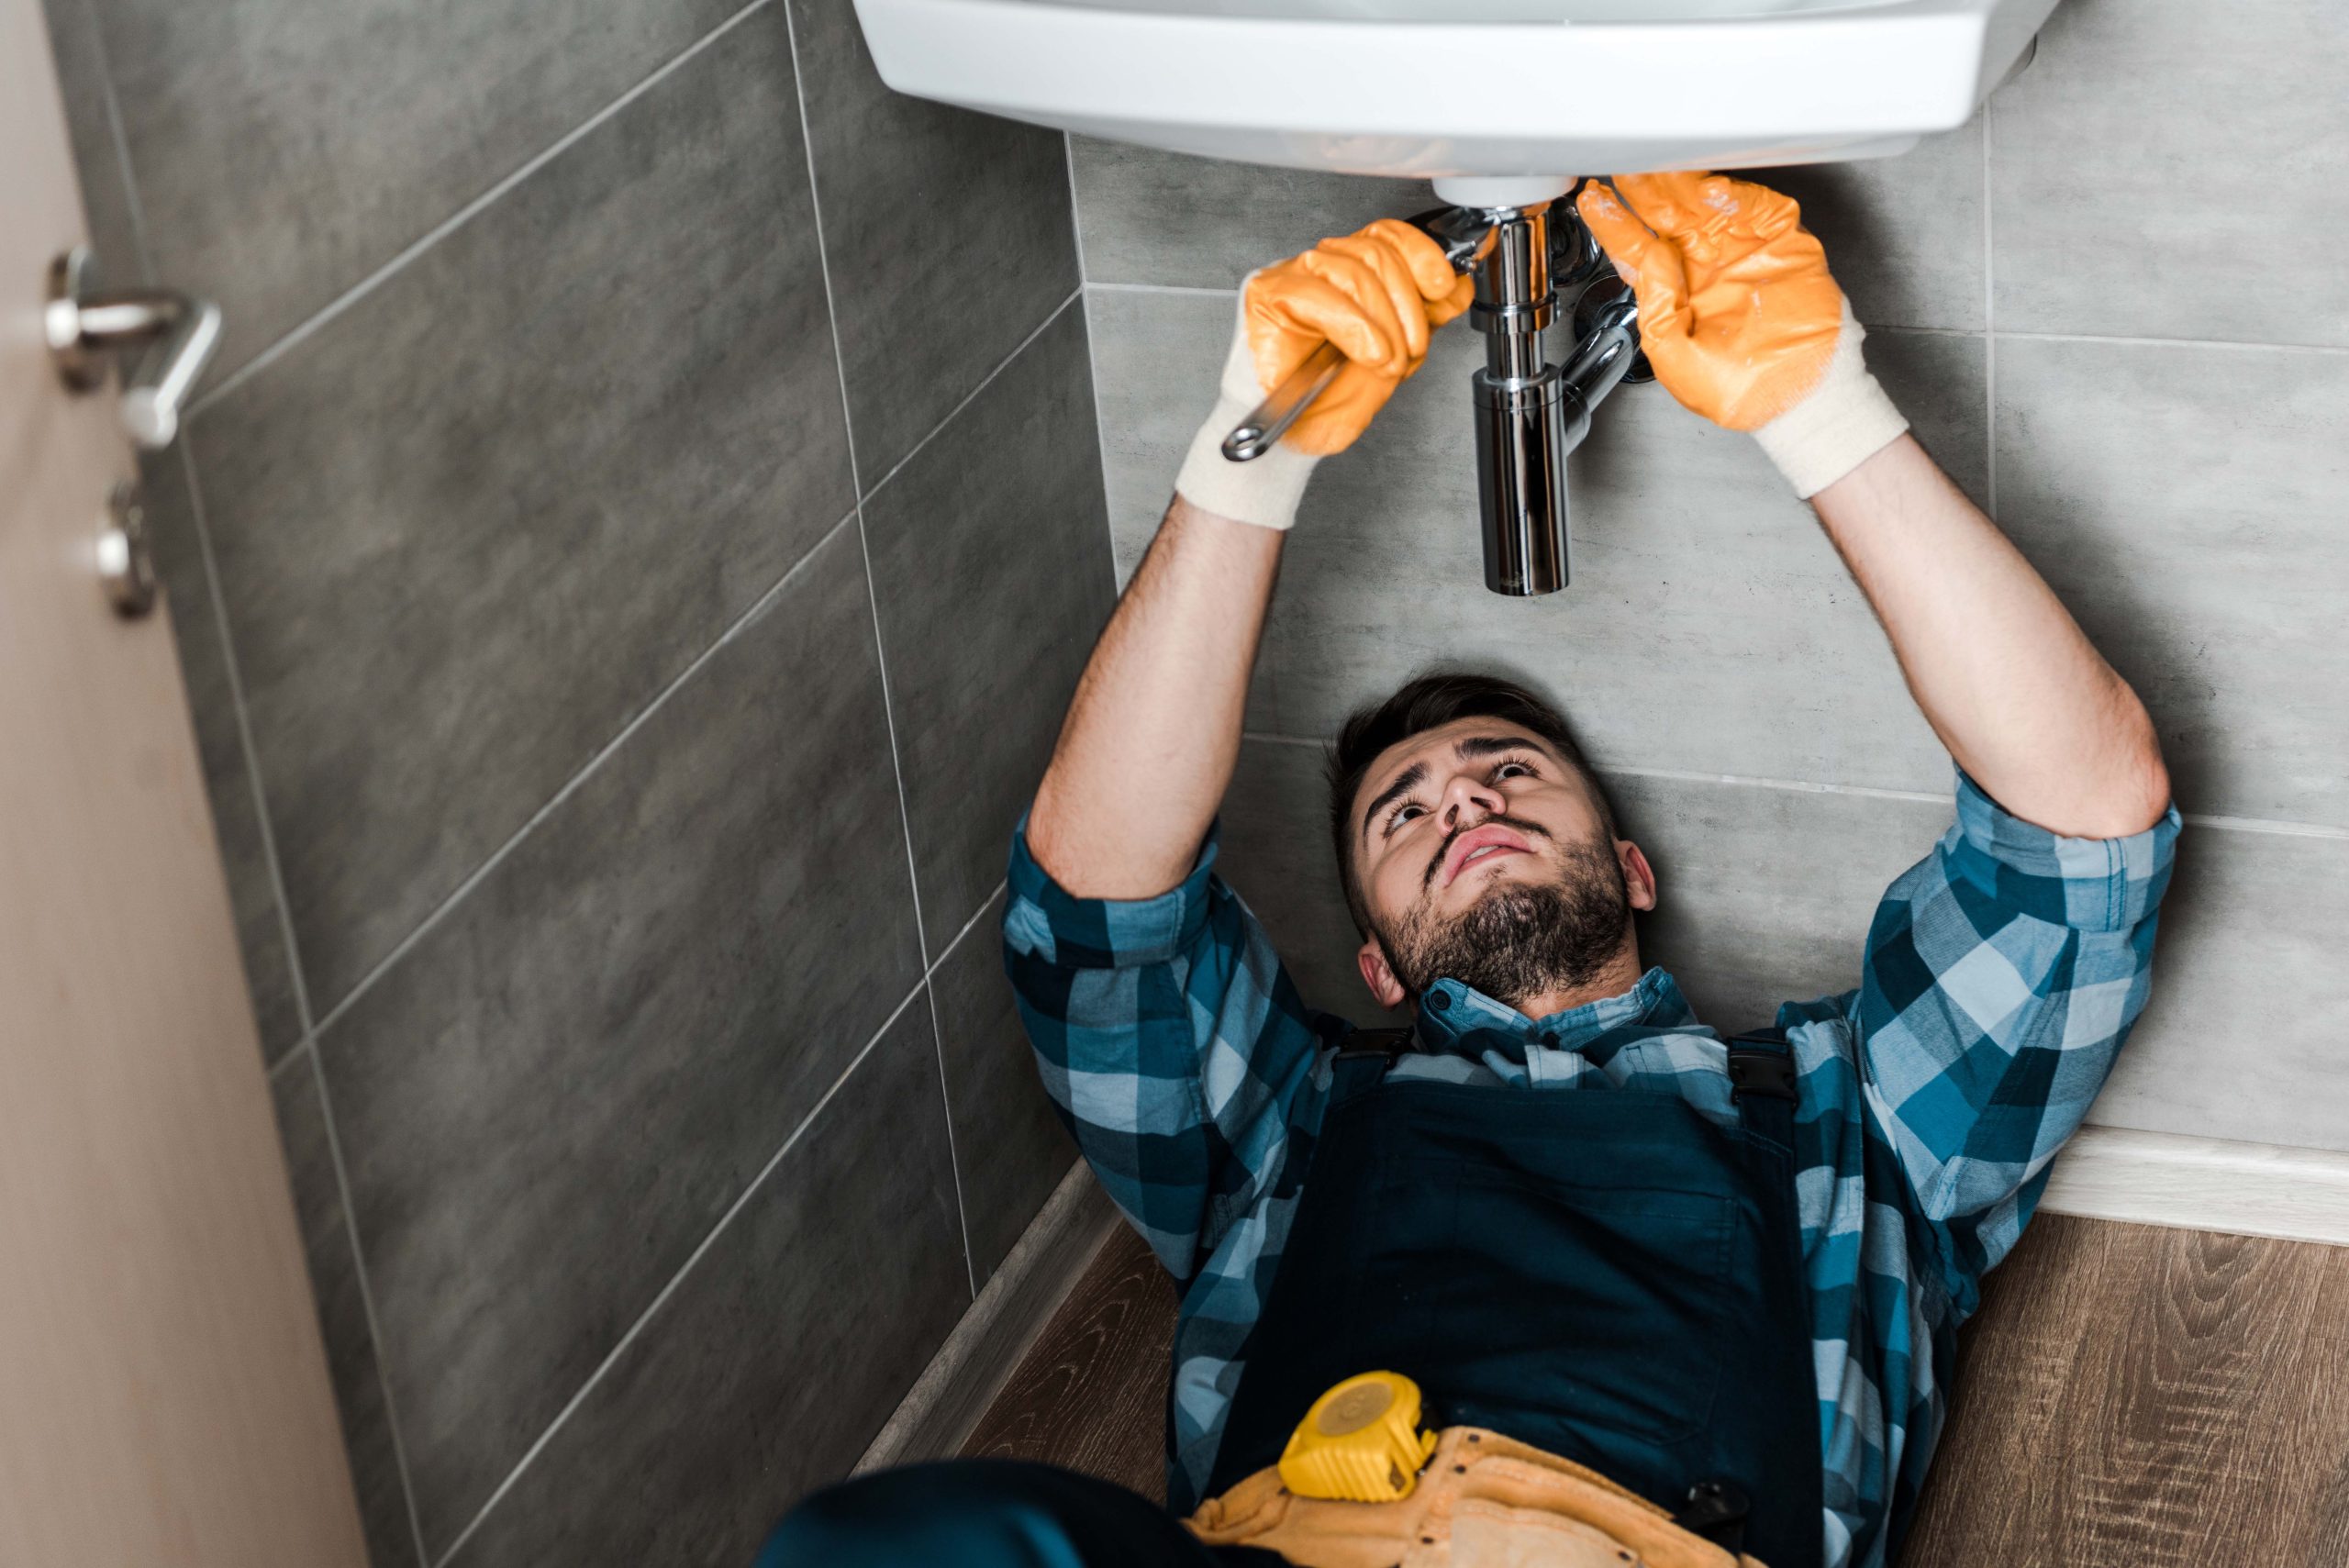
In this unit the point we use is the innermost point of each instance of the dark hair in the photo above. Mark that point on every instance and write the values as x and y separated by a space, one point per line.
1422 703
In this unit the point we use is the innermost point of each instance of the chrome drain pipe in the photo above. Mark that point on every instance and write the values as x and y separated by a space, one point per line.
1529 413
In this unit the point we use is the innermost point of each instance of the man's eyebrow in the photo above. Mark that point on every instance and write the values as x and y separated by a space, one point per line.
1490 745
1407 781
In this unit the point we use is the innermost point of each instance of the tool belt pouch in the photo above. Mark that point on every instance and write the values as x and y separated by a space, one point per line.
1482 1502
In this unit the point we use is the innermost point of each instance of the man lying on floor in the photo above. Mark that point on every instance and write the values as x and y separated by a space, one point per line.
1559 1274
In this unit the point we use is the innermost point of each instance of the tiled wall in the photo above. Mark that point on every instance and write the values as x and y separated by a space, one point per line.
630 562
2112 307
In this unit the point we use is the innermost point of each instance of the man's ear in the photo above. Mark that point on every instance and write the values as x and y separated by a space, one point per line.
1385 988
1639 877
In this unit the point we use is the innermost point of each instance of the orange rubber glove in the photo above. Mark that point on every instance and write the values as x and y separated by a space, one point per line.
1741 320
1377 294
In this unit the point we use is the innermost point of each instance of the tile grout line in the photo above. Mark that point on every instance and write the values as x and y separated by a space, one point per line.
496 857
238 710
1269 739
1191 289
285 1063
309 326
307 1043
1990 332
2278 827
2241 345
143 255
1008 360
366 1295
636 1328
1788 786
1092 349
873 609
1002 883
645 1318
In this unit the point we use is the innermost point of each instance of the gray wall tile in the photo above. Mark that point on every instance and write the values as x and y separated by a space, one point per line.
342 1318
1155 361
1904 235
1709 625
1765 896
227 778
555 1095
2186 503
2165 168
285 151
990 562
780 1355
491 510
2239 1040
947 233
1148 217
1275 852
1009 1146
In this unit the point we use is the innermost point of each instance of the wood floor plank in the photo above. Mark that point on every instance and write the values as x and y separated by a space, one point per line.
1092 1395
2132 1396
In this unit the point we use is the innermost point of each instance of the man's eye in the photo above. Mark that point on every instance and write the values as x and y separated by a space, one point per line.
1403 814
1503 771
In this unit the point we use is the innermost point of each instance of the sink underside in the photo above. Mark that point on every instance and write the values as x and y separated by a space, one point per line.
1499 100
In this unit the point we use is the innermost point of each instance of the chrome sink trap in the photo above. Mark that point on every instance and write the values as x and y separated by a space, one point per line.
1528 413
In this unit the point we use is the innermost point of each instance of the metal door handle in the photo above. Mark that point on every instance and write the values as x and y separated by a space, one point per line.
84 325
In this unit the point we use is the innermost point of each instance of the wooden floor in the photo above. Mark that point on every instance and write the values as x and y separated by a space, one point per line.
2128 1397
1092 1395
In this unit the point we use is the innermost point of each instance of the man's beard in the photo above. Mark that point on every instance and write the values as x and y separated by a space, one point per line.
1521 938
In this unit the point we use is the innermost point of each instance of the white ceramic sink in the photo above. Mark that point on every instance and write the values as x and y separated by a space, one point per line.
1497 101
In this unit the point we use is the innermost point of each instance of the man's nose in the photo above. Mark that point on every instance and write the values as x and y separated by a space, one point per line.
1467 801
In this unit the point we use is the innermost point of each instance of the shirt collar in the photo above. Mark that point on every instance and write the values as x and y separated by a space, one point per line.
1451 1012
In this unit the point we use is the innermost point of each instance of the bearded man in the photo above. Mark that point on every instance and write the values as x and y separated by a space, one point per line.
1558 1274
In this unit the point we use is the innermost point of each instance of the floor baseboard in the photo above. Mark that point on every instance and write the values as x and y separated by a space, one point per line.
954 1391
2202 1184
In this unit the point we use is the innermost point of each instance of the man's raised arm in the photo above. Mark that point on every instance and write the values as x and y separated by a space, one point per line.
2005 676
1745 325
1153 733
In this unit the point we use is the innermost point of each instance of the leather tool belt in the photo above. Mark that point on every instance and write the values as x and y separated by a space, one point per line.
1482 1501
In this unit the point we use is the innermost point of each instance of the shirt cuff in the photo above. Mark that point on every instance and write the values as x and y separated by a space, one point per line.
1044 919
2089 885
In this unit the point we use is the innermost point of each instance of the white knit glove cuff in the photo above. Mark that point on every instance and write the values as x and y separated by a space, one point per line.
1265 491
1846 420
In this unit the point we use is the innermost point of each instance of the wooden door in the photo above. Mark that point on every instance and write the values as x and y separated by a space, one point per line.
163 1393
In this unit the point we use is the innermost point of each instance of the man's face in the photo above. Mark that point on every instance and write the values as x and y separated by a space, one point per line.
1484 857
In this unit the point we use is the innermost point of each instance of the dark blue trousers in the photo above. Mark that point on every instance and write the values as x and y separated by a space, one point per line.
987 1513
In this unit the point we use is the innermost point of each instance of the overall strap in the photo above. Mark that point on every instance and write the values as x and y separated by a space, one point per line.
1762 1083
1362 1060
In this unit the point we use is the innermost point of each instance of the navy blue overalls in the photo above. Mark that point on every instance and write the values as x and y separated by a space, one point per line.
1605 1274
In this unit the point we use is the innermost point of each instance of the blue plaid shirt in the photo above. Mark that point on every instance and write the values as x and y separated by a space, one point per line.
2000 976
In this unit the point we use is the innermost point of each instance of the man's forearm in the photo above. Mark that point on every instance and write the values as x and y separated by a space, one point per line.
1153 733
2005 676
